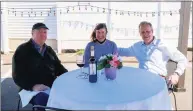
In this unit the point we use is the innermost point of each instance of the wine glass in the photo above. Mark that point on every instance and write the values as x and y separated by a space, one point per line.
80 62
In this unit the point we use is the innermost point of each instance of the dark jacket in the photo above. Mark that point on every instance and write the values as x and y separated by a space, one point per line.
29 67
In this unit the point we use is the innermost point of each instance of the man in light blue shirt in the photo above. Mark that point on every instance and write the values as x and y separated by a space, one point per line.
153 55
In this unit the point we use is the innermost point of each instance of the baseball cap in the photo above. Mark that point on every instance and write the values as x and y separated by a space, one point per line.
39 25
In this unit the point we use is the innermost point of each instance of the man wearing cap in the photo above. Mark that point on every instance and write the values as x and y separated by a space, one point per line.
35 65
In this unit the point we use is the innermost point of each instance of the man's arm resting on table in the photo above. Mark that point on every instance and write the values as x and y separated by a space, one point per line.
60 69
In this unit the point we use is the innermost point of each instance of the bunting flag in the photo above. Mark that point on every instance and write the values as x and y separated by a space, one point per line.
123 31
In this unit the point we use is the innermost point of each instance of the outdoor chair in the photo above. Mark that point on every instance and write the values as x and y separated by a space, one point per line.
48 108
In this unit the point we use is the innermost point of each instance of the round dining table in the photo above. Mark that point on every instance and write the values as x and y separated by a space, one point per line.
133 89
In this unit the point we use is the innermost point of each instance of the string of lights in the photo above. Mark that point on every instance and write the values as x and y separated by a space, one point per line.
35 12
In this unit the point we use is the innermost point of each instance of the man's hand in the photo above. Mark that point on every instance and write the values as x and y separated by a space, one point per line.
173 79
40 87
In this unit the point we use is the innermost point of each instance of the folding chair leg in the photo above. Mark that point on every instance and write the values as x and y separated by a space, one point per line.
33 109
18 104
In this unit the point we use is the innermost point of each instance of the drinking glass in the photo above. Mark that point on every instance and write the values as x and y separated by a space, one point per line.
80 62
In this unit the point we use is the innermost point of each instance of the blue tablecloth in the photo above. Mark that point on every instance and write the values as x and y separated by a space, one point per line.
132 86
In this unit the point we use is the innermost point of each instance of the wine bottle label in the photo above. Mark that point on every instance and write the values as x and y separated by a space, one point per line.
92 53
92 69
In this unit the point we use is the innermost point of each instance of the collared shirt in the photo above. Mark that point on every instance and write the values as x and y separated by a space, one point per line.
154 57
38 47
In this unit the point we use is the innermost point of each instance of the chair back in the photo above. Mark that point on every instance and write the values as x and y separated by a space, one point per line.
50 108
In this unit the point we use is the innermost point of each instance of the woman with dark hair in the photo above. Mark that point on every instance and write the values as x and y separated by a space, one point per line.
102 45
